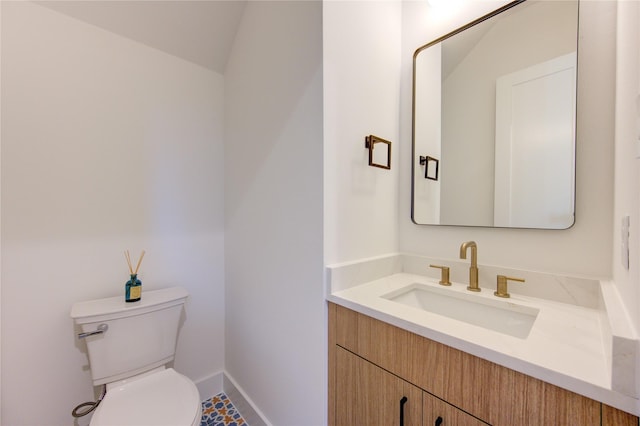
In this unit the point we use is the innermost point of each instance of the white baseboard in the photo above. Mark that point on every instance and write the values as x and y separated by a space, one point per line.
223 382
252 415
210 385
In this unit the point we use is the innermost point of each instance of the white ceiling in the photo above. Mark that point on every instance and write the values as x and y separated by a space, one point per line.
201 31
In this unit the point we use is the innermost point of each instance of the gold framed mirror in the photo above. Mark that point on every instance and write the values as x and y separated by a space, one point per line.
495 102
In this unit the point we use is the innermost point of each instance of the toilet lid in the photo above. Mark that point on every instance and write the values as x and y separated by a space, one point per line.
166 398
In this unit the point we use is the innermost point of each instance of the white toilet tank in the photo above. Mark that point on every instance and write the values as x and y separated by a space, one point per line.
139 336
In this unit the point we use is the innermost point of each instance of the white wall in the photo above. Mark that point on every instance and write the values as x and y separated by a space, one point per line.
275 310
361 97
627 178
584 249
107 145
0 218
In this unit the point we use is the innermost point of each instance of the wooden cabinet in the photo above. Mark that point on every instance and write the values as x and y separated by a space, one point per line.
369 395
614 417
364 352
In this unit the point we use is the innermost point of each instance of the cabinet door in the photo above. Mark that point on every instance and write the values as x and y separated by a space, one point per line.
614 417
368 395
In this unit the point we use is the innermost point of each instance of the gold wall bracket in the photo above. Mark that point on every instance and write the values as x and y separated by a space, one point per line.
379 159
431 166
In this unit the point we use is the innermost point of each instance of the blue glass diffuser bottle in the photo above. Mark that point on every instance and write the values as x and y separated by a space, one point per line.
133 289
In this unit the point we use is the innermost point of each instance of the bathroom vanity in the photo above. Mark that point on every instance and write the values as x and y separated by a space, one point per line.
374 365
393 363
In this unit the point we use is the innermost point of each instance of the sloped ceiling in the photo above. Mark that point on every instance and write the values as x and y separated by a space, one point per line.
201 32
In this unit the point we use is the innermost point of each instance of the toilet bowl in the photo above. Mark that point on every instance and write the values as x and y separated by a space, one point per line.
162 398
129 346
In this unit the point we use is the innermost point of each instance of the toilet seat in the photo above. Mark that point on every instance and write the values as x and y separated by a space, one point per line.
164 398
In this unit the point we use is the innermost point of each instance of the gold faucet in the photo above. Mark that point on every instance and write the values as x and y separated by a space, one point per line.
473 269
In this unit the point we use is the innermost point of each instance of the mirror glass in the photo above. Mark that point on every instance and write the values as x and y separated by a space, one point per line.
494 104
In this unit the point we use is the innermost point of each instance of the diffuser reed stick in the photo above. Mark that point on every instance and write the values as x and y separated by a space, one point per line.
128 257
139 262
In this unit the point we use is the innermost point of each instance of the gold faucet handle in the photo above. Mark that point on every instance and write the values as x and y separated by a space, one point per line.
444 274
502 285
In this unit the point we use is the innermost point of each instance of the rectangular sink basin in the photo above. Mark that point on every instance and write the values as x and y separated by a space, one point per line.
497 315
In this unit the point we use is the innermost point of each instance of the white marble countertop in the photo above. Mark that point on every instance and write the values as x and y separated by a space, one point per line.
567 345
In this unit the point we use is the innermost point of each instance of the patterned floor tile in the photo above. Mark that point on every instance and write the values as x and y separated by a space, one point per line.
219 411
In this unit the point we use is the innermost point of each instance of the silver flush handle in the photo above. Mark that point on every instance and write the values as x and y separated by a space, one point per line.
101 329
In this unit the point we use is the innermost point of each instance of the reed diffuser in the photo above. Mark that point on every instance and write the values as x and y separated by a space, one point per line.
133 287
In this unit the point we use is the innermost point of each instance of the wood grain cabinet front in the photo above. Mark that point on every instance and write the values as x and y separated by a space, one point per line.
367 395
373 365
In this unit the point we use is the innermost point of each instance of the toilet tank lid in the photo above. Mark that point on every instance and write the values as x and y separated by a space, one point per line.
116 307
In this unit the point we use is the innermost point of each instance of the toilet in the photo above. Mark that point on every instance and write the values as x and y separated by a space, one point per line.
129 347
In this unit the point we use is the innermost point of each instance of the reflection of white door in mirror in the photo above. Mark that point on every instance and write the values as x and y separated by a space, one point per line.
535 122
